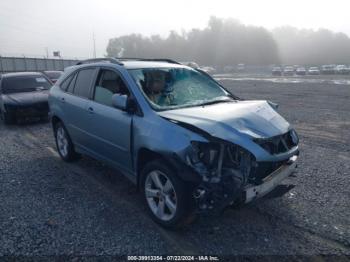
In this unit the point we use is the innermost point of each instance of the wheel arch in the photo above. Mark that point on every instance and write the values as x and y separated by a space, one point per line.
146 155
54 120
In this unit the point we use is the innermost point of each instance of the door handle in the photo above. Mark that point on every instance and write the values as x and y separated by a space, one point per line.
63 100
91 110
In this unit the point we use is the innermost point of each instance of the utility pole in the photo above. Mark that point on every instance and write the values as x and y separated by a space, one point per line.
47 52
94 44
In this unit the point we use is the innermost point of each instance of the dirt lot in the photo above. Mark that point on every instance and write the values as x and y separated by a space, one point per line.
49 207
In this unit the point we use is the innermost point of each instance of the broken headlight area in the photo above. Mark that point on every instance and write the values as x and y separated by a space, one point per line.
225 169
279 144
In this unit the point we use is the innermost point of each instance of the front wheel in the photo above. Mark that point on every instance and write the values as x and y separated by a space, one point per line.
168 198
64 144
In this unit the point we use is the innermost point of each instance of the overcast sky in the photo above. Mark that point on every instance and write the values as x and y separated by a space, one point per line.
30 26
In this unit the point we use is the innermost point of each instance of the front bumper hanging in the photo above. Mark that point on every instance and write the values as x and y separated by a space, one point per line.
271 181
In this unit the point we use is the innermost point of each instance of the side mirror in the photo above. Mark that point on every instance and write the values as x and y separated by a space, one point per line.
120 101
273 105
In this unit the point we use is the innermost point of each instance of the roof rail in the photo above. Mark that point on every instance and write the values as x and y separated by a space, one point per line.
149 59
96 60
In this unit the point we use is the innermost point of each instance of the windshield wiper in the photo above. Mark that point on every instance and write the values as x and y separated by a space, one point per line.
216 101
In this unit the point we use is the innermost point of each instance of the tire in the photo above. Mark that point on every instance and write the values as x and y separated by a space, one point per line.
64 143
175 198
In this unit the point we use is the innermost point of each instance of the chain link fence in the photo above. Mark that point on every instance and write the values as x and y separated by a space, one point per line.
22 64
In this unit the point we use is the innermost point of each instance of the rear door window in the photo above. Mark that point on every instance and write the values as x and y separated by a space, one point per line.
83 82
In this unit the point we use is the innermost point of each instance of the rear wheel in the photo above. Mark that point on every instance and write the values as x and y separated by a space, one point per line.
64 144
168 198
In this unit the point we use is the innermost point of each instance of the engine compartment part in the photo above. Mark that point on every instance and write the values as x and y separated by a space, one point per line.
226 170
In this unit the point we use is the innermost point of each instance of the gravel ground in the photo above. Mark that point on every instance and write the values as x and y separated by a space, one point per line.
49 207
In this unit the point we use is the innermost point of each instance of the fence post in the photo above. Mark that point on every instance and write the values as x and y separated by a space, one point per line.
14 64
25 63
36 64
46 64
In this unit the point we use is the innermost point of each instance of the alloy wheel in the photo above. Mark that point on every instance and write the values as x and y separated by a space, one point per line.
160 195
62 141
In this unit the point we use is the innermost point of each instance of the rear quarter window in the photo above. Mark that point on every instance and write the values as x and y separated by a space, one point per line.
64 85
83 82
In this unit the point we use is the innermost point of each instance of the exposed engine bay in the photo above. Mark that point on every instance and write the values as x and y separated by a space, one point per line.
226 170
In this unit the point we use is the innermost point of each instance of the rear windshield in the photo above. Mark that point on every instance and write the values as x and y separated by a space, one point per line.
24 84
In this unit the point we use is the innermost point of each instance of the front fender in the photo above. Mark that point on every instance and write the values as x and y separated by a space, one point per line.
166 139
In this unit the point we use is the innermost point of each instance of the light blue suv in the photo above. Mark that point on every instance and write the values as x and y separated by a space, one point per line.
186 142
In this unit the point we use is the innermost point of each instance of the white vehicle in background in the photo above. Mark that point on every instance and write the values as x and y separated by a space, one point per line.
288 71
240 67
341 69
301 71
229 69
276 71
314 70
208 69
328 69
194 65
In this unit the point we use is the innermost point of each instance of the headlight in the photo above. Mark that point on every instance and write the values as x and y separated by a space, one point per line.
280 143
273 105
206 153
267 144
294 136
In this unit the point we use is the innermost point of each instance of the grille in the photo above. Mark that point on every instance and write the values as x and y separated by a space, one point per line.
278 144
33 109
41 106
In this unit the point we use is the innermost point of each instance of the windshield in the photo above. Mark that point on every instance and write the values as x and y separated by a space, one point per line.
171 88
24 84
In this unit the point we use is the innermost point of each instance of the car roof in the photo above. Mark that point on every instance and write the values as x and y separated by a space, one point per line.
19 74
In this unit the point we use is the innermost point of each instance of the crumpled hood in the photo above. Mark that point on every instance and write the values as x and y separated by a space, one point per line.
26 98
255 119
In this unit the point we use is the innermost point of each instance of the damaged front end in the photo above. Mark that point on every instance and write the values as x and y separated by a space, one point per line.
230 174
239 152
224 169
